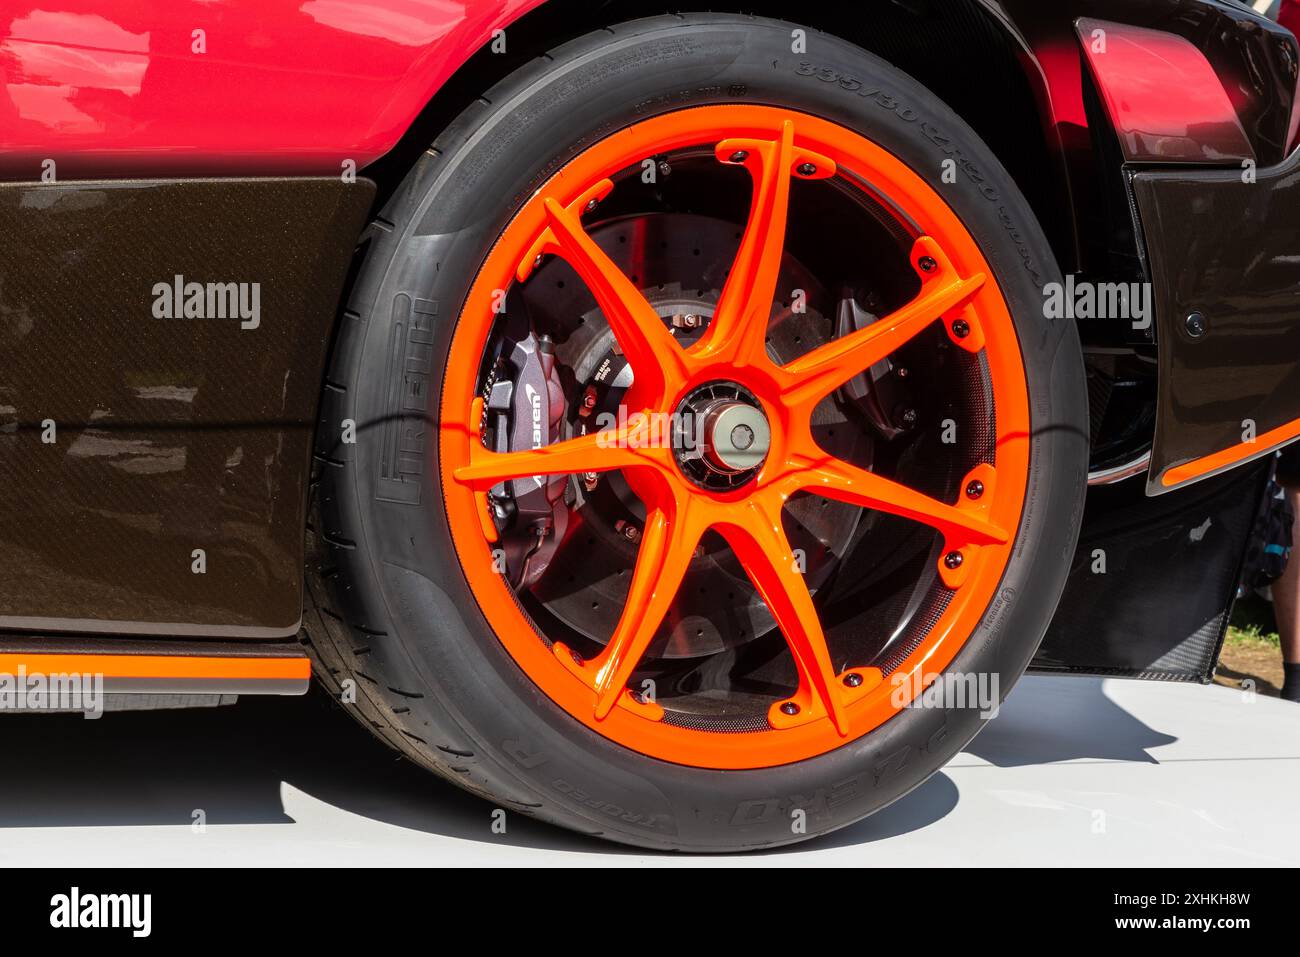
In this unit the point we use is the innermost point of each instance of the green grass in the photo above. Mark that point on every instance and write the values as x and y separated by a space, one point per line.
1252 623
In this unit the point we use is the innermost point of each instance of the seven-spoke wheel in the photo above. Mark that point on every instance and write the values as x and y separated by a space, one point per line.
775 403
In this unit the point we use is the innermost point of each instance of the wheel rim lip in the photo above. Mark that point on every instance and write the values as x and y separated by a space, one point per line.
913 198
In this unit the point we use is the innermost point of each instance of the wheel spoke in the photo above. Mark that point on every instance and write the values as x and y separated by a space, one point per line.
838 480
657 361
739 329
825 368
667 546
760 543
630 446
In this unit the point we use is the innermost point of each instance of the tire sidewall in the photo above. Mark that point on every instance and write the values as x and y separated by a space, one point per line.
406 575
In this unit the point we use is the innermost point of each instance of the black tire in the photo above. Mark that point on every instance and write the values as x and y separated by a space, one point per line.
393 610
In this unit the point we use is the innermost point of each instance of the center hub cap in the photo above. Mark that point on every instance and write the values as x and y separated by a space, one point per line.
721 435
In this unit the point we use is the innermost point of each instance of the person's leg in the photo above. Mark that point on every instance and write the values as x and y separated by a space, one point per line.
1286 606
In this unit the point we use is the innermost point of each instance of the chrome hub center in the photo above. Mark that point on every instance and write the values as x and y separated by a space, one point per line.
721 435
735 436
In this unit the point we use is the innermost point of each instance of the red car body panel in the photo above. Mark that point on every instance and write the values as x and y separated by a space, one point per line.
1163 97
282 86
1289 15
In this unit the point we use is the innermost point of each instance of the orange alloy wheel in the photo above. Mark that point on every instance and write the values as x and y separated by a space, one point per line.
834 701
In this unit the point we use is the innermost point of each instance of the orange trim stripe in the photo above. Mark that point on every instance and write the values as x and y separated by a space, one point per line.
1238 453
158 666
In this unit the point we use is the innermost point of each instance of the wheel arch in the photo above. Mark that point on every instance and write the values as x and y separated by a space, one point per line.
970 55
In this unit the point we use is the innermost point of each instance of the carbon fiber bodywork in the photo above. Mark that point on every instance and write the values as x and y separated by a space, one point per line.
1153 579
128 441
1224 248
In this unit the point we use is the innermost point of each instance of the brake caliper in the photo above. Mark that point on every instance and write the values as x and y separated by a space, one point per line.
525 410
875 392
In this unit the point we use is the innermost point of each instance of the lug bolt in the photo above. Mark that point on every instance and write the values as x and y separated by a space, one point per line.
664 168
909 417
953 560
739 156
853 679
538 261
789 708
592 205
974 489
928 264
961 328
807 169
1196 326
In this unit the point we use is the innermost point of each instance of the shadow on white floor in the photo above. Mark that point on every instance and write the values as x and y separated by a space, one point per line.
1074 771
